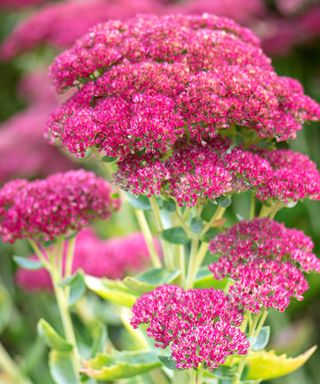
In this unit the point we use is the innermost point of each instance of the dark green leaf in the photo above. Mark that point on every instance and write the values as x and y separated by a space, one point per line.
224 201
196 225
175 235
52 338
108 159
262 340
209 235
27 263
168 205
77 286
168 362
139 202
61 368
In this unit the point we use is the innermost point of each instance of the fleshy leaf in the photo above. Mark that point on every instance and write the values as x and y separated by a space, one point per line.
175 235
267 365
27 263
139 202
114 291
61 369
77 286
149 280
52 338
168 362
262 340
119 365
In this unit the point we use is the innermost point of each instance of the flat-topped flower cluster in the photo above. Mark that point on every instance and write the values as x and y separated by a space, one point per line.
199 325
53 207
162 93
266 261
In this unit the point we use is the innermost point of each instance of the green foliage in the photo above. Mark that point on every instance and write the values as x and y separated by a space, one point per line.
138 202
51 338
262 340
114 291
77 286
149 280
26 263
119 365
204 279
175 235
61 369
6 307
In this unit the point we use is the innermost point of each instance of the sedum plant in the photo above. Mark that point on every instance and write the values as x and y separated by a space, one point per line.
184 112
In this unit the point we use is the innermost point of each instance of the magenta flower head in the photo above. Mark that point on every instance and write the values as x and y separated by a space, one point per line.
266 261
60 24
294 177
194 172
96 257
151 82
56 206
198 324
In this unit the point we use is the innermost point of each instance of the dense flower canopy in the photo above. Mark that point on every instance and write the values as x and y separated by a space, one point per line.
198 324
60 24
56 206
152 82
96 257
266 260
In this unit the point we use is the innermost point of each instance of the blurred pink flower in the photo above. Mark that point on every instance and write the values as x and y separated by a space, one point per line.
113 259
53 207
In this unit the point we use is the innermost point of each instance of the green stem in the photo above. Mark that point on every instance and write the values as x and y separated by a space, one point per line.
148 237
165 246
237 376
9 366
252 205
218 215
261 322
53 266
192 261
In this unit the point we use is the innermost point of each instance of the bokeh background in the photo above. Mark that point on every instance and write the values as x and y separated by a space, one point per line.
32 32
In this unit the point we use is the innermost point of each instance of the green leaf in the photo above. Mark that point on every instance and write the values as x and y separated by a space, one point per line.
120 365
100 339
108 159
196 225
6 307
139 202
209 235
224 201
114 291
27 263
167 204
149 280
175 235
52 338
265 365
204 279
61 369
77 286
168 362
262 340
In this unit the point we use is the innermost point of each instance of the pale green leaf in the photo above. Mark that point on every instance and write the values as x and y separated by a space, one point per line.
27 263
61 369
52 338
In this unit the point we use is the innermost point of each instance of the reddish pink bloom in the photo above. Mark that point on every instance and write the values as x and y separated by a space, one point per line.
97 257
266 284
198 324
56 206
194 172
60 24
263 239
294 177
151 82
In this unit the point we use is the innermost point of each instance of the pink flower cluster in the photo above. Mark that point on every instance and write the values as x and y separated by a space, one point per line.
161 80
111 259
53 207
194 172
197 172
198 324
60 24
265 259
294 177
